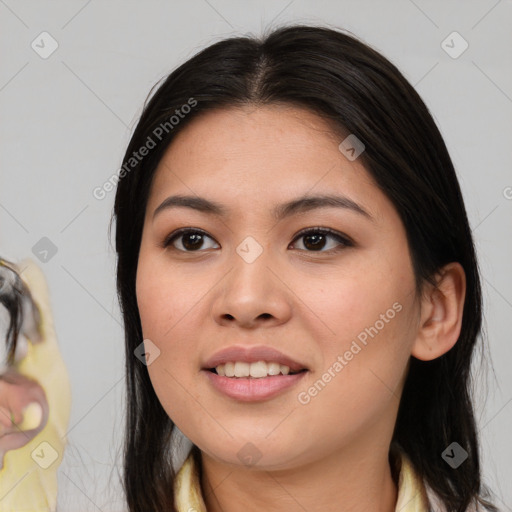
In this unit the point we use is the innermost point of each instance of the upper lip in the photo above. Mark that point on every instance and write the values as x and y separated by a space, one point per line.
252 355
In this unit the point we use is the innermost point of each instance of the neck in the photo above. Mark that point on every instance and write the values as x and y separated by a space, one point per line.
350 479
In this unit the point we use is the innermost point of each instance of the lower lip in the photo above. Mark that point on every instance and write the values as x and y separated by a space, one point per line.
250 389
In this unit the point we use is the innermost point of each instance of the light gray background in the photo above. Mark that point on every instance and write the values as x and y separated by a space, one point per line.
66 120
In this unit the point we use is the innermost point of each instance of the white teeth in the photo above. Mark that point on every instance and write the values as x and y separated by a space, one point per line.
242 369
258 369
274 368
255 370
229 369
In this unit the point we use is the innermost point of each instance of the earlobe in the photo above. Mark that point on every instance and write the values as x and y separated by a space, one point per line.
441 313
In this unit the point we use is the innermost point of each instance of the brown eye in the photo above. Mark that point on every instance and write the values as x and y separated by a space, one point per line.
316 239
191 240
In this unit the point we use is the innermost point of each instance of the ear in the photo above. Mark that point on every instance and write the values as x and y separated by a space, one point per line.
441 313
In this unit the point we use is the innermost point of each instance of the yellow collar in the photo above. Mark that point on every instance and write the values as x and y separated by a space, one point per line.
412 495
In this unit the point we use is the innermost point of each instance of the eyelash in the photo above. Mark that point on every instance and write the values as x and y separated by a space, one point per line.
342 239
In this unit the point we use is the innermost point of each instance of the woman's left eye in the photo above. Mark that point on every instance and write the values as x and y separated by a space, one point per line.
314 240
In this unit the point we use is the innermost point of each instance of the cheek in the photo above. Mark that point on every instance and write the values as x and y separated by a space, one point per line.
365 295
163 296
152 301
368 314
362 374
167 302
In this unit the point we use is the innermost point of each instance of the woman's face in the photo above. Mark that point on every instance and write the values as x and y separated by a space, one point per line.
345 311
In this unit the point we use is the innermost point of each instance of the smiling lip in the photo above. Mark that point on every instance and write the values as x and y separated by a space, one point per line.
247 389
252 355
250 389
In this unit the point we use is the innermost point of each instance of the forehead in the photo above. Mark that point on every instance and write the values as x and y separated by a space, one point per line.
254 131
259 151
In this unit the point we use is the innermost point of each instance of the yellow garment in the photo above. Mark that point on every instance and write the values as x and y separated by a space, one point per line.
26 486
412 495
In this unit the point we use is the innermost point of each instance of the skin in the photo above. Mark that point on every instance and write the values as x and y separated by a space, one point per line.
330 454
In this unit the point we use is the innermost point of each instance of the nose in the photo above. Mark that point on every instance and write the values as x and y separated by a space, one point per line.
252 294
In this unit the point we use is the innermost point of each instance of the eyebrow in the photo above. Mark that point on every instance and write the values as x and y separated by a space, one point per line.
279 212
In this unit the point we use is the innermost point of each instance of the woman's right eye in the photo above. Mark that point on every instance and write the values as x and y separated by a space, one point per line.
190 240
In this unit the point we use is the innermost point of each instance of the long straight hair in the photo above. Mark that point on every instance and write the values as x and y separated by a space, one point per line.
358 91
